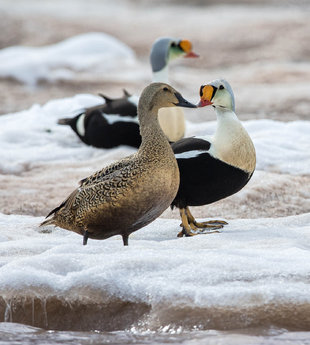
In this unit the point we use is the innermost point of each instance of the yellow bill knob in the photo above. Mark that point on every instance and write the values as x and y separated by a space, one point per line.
186 46
206 94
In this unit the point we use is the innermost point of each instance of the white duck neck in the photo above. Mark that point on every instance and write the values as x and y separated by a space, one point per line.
228 127
161 76
231 142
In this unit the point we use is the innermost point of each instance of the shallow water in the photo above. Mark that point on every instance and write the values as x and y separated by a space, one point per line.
15 334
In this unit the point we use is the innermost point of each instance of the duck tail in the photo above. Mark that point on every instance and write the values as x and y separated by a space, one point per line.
65 121
48 222
51 221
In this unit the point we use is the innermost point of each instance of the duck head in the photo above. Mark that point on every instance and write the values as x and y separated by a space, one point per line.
166 49
219 94
181 48
161 95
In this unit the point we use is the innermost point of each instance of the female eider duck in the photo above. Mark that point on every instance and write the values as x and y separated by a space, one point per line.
213 168
131 193
115 122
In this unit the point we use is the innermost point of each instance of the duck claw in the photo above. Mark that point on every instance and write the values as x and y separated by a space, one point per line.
209 231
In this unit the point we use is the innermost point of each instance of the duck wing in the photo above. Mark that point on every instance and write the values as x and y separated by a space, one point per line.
189 147
101 175
97 189
119 106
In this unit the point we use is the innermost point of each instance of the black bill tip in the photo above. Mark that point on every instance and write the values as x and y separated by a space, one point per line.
183 102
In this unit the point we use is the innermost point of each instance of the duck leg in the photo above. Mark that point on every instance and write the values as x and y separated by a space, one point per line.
213 224
186 228
125 239
85 237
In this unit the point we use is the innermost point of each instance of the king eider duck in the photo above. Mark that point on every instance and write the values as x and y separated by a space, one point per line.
115 122
109 125
213 168
131 193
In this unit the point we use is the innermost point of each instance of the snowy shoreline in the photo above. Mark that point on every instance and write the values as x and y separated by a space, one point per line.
252 268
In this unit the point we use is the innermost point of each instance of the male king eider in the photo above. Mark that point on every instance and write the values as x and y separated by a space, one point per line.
109 125
115 122
213 168
131 193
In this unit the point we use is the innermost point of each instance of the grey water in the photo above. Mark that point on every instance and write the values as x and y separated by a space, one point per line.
16 334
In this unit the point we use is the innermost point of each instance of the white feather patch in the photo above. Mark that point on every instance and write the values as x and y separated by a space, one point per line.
112 118
190 154
80 127
134 100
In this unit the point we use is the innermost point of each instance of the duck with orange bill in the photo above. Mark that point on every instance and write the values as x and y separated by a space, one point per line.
115 122
213 168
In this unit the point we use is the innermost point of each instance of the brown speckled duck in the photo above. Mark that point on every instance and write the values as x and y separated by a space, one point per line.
131 193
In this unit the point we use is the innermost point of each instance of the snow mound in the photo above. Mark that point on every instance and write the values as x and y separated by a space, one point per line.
97 51
254 270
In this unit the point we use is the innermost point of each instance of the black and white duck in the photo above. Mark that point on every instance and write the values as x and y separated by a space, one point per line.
213 168
115 122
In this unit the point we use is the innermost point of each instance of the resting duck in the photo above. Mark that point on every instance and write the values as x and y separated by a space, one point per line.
213 168
96 128
119 126
131 193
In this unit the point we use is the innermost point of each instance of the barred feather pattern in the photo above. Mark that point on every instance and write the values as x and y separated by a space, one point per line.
101 174
128 194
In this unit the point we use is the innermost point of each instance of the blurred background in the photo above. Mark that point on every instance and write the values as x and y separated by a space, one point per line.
48 53
262 47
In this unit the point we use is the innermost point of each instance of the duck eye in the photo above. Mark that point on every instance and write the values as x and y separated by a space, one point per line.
201 90
221 87
165 89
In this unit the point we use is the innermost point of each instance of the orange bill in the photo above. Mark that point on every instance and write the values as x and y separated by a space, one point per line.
186 46
206 94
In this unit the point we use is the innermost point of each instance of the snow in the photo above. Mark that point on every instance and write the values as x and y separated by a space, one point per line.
290 143
264 260
261 264
40 139
99 52
252 262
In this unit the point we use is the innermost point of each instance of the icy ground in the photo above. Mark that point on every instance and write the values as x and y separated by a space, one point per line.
254 273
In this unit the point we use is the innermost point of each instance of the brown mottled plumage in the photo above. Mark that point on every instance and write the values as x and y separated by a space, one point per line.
131 193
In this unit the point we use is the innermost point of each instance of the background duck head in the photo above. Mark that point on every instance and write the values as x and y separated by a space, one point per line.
164 50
